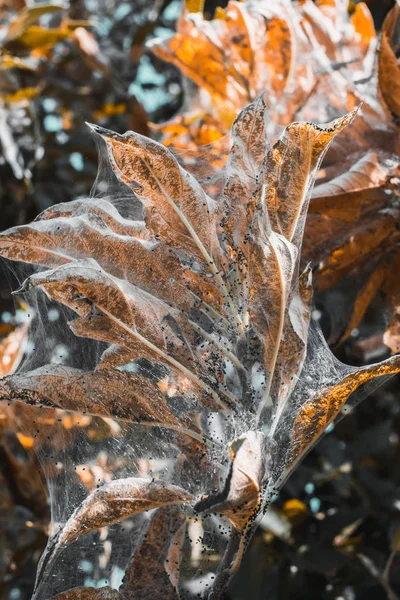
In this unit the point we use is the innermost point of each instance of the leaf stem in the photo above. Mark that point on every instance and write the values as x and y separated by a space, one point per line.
211 264
170 359
234 359
229 564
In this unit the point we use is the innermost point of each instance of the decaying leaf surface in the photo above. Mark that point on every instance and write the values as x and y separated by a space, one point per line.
89 593
235 57
255 46
119 500
154 568
203 316
106 393
240 501
316 414
177 210
388 67
111 503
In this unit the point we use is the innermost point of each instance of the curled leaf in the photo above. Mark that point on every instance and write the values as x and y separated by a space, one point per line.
240 500
316 414
105 392
116 501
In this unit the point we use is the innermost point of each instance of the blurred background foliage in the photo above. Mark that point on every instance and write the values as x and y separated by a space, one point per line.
334 530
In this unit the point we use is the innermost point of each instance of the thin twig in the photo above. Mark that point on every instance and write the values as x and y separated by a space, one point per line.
386 570
371 567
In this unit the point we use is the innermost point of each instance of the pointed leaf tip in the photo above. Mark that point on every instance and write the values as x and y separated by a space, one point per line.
24 288
107 133
347 119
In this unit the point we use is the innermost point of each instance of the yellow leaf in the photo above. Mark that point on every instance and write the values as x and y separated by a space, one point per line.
38 37
22 94
195 6
27 17
8 61
295 510
220 13
109 110
363 23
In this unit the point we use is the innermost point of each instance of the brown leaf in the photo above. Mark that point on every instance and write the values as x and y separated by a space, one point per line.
240 500
105 392
342 196
363 299
116 501
230 332
244 50
105 212
172 563
288 188
123 349
89 593
356 243
388 67
272 263
275 54
273 255
316 414
293 343
154 569
340 41
176 208
249 145
112 503
151 265
137 315
199 55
